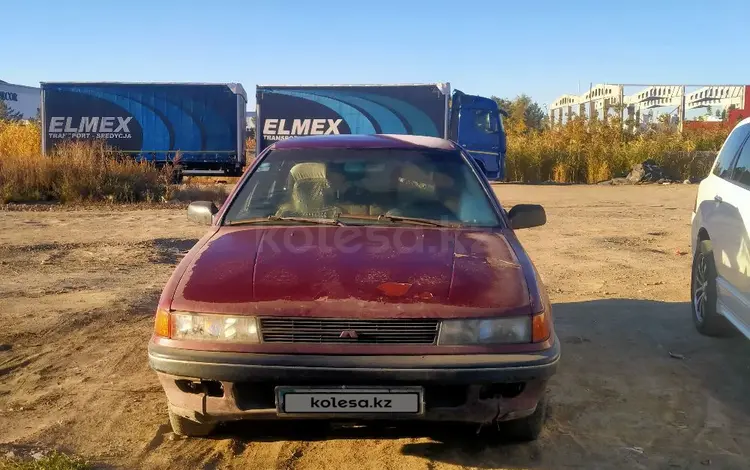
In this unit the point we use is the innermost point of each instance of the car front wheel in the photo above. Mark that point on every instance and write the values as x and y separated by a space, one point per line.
185 427
703 293
528 428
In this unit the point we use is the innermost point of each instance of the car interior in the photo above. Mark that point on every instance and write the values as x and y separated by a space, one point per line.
358 189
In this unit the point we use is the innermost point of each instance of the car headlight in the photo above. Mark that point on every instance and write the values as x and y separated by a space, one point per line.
210 327
510 330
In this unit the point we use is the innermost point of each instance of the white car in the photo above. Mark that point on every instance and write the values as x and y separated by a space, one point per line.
720 285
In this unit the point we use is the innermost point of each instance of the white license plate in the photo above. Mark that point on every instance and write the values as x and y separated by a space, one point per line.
348 401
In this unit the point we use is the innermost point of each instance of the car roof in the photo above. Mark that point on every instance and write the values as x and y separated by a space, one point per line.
360 141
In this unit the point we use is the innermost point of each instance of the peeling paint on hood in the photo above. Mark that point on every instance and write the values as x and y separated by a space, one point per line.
339 271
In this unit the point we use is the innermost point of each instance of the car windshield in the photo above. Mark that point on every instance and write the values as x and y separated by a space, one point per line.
363 186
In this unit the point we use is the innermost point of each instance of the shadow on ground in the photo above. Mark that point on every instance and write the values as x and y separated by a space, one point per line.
637 387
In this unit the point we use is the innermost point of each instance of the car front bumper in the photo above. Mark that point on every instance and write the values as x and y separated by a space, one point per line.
481 388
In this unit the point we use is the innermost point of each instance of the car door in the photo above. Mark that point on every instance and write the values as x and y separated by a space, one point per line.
727 213
735 243
480 134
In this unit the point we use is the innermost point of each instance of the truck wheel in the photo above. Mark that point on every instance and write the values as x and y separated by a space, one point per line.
185 427
703 293
528 428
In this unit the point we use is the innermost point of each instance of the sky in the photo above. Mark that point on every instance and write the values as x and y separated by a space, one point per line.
542 48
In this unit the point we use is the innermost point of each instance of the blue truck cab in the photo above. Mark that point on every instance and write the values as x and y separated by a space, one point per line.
476 124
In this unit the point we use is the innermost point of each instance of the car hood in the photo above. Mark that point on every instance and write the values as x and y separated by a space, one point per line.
352 271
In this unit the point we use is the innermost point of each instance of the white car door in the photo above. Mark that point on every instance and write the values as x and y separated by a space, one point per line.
728 221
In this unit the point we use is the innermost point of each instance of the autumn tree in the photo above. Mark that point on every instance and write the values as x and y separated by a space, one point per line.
523 113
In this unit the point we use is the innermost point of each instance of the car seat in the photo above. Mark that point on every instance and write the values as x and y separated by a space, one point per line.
308 185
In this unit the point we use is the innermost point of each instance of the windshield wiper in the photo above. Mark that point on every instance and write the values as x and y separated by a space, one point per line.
311 220
416 220
277 218
398 218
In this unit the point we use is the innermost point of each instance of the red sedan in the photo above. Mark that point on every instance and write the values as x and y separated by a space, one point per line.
356 278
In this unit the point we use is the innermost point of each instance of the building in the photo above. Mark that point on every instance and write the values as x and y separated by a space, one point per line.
21 99
603 99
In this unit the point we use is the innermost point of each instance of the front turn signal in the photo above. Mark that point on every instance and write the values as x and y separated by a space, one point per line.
540 327
161 323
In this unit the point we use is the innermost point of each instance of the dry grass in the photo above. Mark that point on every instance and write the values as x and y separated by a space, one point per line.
200 192
581 152
53 461
74 172
578 152
19 140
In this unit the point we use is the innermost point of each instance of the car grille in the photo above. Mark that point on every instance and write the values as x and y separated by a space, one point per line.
334 330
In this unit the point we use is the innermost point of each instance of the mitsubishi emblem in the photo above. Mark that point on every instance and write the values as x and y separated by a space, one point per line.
351 334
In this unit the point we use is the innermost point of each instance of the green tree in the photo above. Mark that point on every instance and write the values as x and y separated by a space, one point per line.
723 115
503 103
8 114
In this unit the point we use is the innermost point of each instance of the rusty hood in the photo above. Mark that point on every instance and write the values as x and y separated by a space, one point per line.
354 271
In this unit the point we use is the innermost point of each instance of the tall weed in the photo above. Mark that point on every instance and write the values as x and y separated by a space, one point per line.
584 151
72 172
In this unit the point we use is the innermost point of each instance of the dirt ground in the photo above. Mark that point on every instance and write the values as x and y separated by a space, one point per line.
638 387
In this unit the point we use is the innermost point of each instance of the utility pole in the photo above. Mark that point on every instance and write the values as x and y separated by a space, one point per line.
622 112
682 109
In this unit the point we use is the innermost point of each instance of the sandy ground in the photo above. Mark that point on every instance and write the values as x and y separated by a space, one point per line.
77 291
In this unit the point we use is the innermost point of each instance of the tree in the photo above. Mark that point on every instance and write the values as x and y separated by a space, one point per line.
723 114
8 114
718 113
523 113
535 116
503 103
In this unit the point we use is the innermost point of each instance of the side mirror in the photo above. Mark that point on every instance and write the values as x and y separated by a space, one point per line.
526 216
202 212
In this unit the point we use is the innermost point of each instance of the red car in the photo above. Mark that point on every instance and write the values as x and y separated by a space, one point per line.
354 278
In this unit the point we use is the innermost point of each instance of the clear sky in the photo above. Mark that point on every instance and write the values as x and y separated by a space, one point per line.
543 48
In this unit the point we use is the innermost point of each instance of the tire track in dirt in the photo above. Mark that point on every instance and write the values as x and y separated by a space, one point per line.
294 452
619 311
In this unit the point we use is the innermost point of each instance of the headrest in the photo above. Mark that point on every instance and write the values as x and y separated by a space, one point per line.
308 170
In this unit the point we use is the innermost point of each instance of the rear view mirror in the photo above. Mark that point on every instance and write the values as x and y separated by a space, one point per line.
202 212
526 216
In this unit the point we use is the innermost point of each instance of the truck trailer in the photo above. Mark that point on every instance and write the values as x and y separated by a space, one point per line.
473 122
203 123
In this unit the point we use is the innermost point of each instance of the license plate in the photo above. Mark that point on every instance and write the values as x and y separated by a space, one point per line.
339 401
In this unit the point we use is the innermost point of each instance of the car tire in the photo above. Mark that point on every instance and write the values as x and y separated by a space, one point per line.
703 295
529 428
185 427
